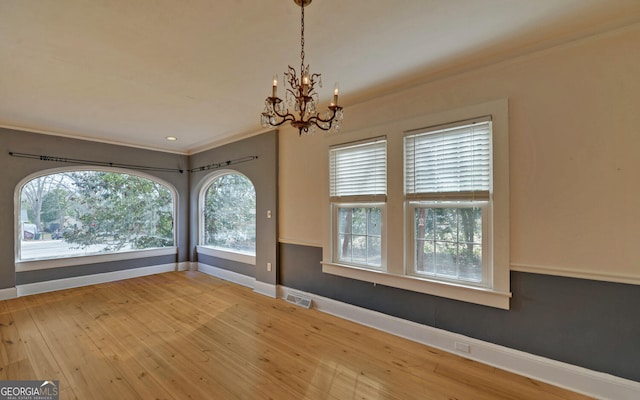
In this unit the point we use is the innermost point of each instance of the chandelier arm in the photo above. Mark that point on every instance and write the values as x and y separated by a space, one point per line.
272 101
320 126
289 118
281 122
317 117
285 117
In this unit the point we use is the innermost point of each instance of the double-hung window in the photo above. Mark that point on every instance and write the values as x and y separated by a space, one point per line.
448 201
358 188
443 227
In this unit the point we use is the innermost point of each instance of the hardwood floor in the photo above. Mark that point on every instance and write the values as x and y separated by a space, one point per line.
186 335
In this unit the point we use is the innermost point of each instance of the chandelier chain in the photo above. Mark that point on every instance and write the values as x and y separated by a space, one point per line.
302 40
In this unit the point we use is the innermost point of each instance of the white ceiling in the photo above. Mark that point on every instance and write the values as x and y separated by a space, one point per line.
136 71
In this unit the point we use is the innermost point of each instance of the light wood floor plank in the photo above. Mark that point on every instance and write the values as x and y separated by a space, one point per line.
83 365
186 335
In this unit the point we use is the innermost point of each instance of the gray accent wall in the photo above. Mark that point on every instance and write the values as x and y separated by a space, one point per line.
592 324
15 169
229 265
263 173
41 275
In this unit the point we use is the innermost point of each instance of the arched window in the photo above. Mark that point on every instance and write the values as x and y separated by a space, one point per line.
75 213
228 222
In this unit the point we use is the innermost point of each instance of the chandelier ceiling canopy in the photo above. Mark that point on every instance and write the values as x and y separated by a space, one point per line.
301 96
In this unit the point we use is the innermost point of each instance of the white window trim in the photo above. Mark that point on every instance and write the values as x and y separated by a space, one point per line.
213 251
383 235
72 260
31 265
499 294
471 294
226 254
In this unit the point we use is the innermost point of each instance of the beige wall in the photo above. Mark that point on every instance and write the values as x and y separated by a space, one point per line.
574 132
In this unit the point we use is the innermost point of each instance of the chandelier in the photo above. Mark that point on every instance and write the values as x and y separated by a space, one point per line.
302 97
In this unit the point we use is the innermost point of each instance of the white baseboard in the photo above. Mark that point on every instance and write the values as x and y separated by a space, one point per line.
267 289
185 266
577 379
9 293
77 281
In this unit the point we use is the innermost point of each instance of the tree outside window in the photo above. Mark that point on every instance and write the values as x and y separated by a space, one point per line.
230 214
92 212
449 242
360 235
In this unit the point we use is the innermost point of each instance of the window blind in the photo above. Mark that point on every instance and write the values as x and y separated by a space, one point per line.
449 163
359 171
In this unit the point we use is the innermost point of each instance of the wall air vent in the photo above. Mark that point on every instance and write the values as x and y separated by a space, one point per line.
299 301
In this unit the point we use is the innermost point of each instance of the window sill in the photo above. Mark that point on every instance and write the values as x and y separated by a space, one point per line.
31 265
227 255
477 295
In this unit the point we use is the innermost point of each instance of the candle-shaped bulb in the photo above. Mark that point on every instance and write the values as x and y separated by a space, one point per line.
305 84
274 92
336 89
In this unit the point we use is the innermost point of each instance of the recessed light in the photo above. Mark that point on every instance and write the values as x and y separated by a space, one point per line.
171 138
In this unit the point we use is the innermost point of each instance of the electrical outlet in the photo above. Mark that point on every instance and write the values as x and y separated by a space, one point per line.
268 267
463 347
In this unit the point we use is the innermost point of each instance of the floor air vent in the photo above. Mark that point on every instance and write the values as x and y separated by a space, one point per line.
299 301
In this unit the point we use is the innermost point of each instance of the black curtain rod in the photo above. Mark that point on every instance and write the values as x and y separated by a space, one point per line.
223 164
94 163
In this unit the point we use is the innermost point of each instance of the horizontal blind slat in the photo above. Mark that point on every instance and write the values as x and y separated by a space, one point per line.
358 170
453 160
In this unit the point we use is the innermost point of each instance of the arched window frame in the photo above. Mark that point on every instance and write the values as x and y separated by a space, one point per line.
208 249
73 260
